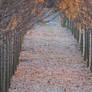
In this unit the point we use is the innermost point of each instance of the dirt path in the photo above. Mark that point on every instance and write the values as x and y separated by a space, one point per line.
51 62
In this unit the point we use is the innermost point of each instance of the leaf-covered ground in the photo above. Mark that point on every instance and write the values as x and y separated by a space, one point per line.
50 61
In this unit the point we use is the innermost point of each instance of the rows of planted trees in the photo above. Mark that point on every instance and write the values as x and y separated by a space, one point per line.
78 17
16 17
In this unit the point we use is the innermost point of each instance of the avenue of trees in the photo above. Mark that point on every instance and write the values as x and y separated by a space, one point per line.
18 16
78 17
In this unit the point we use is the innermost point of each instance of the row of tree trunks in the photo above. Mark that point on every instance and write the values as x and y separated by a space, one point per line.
10 47
84 38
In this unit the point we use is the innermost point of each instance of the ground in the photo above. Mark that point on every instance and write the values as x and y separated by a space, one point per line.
50 61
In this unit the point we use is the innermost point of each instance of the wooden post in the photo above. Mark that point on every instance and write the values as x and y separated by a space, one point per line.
88 47
84 43
91 51
81 40
0 63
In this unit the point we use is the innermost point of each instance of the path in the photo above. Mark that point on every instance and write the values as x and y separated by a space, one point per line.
51 62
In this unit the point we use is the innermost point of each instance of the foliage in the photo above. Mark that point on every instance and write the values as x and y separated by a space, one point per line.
78 11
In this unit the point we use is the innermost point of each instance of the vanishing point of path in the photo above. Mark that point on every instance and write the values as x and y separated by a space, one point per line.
50 61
